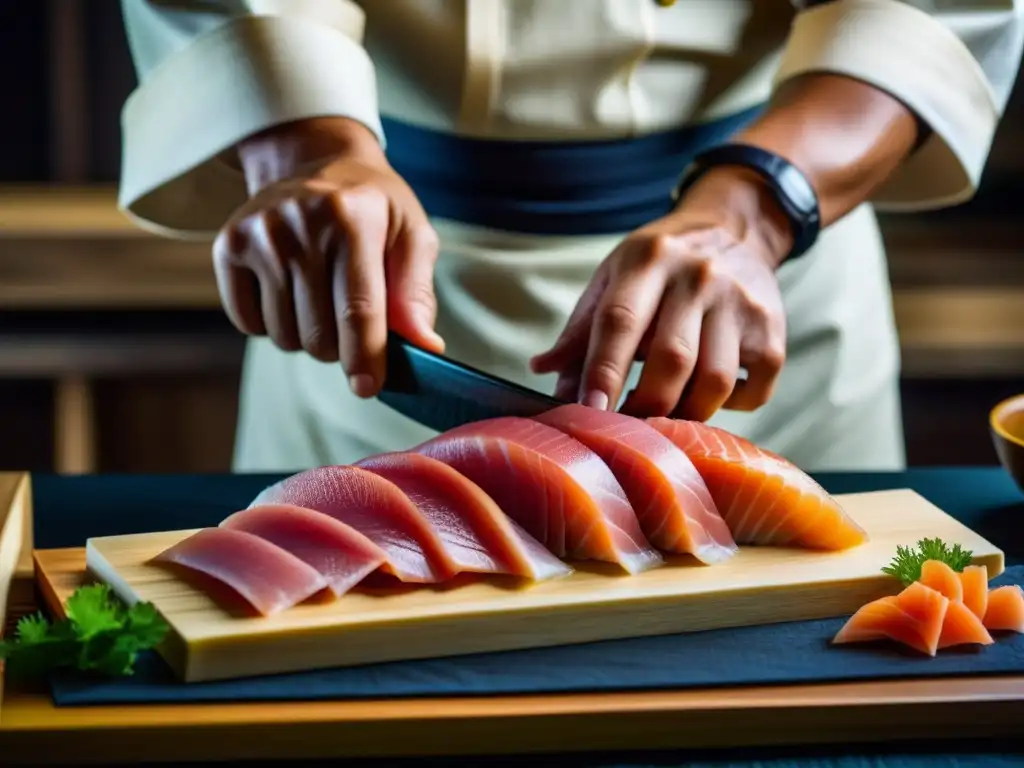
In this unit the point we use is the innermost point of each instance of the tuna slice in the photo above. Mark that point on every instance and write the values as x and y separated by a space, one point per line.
375 507
763 498
671 501
338 552
267 577
552 485
478 535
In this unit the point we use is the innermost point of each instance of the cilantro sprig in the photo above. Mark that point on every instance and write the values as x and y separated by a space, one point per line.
906 565
100 634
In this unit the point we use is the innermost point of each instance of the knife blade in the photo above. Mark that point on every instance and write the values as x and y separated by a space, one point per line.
441 393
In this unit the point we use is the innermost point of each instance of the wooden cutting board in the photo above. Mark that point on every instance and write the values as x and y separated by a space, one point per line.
758 586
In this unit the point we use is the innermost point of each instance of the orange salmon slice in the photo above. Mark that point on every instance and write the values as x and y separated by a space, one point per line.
763 498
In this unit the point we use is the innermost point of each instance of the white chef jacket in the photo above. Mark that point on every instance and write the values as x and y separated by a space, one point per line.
583 71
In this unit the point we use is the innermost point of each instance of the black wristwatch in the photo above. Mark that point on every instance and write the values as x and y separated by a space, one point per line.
791 188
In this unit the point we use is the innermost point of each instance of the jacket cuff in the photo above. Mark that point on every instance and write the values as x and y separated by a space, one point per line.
243 77
903 51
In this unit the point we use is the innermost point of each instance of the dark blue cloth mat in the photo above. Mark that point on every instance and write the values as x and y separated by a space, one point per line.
795 652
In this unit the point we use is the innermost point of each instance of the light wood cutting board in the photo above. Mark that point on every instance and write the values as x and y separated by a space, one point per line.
758 586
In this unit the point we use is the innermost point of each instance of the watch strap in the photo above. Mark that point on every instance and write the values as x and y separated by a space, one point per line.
790 187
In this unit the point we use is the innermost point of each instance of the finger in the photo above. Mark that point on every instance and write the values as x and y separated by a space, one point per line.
409 271
570 348
620 320
671 355
316 234
237 284
273 246
360 289
568 385
763 368
716 369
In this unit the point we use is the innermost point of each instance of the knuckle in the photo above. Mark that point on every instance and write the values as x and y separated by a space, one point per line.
604 375
360 202
358 311
422 294
773 356
426 240
617 320
718 382
705 272
676 357
319 343
649 248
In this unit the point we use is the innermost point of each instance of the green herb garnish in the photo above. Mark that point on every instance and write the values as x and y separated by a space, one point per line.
906 566
100 634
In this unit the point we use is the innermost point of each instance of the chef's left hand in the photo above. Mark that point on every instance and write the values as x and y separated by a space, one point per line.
694 295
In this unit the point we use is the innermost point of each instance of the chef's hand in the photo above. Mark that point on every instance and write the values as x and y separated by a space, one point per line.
694 295
327 257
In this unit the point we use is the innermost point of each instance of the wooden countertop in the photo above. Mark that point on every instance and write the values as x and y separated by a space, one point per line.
70 248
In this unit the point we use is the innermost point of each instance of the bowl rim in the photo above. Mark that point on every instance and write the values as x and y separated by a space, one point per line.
995 417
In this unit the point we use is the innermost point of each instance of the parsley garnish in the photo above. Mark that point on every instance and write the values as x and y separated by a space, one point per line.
906 566
100 634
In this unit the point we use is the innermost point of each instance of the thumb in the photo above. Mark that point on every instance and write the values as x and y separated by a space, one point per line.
412 305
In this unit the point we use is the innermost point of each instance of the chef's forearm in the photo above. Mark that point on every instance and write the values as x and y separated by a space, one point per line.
282 151
847 137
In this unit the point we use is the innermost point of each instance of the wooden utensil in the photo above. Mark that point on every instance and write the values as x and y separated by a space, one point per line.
760 585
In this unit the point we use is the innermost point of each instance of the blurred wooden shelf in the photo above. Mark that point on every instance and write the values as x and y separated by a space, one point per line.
63 211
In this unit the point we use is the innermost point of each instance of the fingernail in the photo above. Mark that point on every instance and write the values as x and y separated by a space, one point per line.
596 399
361 385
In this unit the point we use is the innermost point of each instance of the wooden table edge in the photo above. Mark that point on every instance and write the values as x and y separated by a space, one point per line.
33 730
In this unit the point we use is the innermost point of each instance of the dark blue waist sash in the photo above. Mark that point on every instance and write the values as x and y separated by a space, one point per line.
551 187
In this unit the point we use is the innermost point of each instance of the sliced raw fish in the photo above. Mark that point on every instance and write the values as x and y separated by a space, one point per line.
962 627
375 507
763 498
555 487
479 536
668 495
940 577
1005 611
340 553
974 582
914 618
266 576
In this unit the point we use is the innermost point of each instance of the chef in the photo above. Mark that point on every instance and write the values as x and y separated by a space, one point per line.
661 206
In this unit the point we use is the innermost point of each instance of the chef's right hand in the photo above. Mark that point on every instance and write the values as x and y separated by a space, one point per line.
326 257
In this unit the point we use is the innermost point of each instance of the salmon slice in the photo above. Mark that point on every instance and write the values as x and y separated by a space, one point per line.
974 582
914 617
940 577
552 485
478 535
1005 610
763 498
668 495
264 575
378 509
962 627
338 552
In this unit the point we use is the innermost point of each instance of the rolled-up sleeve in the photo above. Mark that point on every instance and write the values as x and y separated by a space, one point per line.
953 67
211 74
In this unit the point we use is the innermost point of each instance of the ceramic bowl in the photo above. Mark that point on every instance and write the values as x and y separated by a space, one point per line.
1006 423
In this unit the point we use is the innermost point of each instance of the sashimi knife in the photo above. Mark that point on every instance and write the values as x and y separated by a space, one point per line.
440 393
